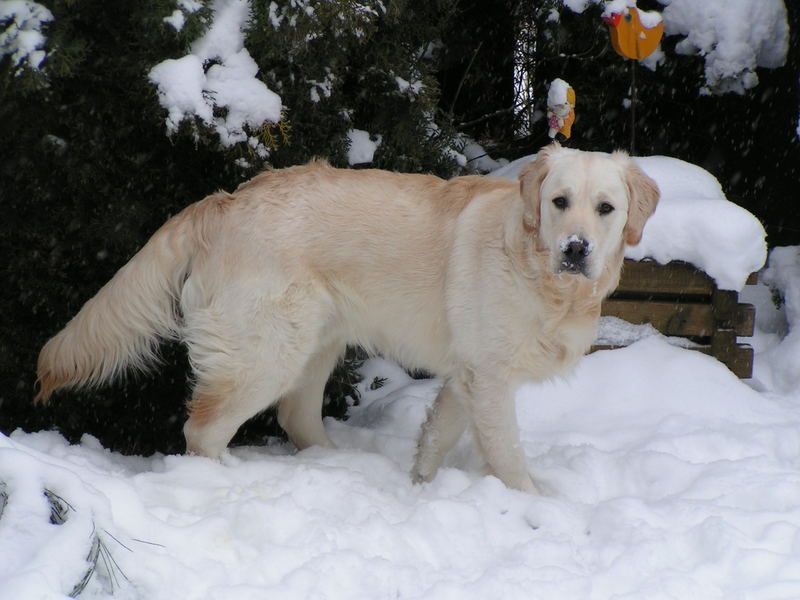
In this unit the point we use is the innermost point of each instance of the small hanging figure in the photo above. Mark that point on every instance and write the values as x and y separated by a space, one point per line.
560 108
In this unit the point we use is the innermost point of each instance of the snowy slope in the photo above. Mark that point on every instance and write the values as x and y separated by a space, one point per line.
663 475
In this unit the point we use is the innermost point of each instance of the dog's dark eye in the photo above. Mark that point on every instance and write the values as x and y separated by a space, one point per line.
605 208
560 203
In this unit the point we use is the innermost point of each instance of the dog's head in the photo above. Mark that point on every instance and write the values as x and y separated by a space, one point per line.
582 206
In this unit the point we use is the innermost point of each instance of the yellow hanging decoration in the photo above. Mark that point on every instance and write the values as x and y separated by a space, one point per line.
630 37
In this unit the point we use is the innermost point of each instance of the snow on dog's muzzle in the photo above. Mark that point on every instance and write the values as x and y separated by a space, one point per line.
574 251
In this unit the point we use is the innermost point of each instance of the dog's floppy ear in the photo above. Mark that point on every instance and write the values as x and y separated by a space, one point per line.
530 181
643 194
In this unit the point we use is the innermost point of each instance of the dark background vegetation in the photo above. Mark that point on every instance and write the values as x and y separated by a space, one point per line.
87 173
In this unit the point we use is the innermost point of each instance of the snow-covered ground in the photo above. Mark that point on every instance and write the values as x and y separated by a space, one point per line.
663 477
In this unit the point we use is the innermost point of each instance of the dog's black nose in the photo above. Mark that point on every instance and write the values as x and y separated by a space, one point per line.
576 250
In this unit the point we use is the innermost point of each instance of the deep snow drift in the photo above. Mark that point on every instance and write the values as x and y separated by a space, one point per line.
664 476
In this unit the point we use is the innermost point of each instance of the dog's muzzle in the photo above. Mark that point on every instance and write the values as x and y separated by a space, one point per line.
574 251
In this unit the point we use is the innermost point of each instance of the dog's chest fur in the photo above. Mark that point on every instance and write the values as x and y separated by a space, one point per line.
563 326
556 336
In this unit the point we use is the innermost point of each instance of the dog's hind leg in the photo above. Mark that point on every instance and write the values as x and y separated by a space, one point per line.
300 411
217 410
246 355
447 420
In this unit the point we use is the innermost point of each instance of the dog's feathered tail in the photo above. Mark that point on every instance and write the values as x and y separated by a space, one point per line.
120 327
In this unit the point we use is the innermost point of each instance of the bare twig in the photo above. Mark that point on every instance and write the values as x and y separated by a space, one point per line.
464 76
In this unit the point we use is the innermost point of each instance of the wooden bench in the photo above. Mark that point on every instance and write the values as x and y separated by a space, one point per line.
681 301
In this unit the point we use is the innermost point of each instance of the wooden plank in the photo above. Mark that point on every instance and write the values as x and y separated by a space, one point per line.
744 320
670 318
596 347
729 314
676 277
649 277
724 302
680 300
739 358
740 361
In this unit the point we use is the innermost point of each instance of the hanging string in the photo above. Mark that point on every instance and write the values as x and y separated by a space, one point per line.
633 108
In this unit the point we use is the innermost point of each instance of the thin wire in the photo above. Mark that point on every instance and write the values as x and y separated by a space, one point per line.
633 107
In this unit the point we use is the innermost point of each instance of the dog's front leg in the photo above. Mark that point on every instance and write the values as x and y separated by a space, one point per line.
493 411
447 420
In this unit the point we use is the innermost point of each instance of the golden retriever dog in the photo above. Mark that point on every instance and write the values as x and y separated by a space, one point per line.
484 282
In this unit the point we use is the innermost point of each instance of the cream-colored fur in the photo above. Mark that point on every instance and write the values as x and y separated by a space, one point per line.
471 279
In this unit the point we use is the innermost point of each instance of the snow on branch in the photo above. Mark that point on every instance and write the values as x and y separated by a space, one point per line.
21 37
734 37
216 82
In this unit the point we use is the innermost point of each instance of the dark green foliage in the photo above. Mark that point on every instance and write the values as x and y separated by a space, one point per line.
87 175
477 70
377 383
337 68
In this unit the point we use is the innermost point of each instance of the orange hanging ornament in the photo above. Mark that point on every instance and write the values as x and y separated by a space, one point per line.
630 37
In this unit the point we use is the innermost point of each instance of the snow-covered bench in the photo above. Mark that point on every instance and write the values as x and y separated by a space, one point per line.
697 253
683 303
